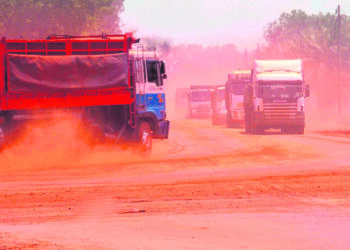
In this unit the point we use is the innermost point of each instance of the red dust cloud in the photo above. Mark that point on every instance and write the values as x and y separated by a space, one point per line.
197 65
62 143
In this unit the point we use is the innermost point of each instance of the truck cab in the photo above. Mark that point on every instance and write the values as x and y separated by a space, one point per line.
150 96
236 84
200 101
276 97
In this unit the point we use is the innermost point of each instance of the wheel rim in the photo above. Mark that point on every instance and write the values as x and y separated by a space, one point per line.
145 139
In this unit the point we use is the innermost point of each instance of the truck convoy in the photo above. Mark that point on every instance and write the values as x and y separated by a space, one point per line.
114 90
200 101
236 84
276 97
218 105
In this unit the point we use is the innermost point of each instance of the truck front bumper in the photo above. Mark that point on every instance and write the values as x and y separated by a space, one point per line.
219 117
297 121
237 115
201 112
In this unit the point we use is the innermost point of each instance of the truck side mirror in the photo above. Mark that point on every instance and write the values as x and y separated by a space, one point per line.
162 68
307 90
164 76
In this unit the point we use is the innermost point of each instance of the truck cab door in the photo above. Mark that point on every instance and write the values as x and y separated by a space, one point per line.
154 94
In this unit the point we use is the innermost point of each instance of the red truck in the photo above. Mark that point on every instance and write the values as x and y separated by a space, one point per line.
93 74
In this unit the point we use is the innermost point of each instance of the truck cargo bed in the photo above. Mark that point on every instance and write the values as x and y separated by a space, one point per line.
63 72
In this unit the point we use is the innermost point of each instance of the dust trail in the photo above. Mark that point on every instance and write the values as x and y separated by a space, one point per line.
58 144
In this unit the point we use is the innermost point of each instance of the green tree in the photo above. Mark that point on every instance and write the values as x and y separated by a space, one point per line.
38 18
310 36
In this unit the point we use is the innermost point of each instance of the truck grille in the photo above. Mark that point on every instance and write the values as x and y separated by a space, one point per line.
202 111
280 111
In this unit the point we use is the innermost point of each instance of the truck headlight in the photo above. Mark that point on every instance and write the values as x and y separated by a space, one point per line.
223 107
259 104
300 104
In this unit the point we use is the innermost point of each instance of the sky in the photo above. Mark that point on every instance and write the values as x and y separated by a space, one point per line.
214 22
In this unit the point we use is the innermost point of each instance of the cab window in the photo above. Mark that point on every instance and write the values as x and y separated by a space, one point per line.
153 73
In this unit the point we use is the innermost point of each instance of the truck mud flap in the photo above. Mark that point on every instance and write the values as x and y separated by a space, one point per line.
163 131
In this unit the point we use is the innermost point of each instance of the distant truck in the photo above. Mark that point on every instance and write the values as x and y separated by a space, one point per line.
276 97
114 91
218 105
182 101
236 84
200 101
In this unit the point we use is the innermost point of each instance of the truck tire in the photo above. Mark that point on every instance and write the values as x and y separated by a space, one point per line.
214 121
259 130
254 128
247 124
2 140
144 137
252 125
285 131
293 130
300 130
229 120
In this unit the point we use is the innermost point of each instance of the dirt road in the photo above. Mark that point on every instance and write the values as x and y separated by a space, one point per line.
204 188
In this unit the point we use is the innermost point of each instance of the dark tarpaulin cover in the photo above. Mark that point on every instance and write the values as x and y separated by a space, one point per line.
34 73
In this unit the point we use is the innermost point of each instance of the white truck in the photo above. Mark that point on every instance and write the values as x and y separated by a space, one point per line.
236 84
276 97
200 101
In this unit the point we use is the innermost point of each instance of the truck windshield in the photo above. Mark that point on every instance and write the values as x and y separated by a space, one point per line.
280 91
200 96
238 88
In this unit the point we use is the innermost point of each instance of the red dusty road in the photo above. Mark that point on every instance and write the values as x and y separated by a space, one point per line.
204 188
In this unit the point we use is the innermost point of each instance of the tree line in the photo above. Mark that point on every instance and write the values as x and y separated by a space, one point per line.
315 36
33 19
323 42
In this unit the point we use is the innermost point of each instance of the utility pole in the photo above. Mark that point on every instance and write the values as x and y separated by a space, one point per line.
339 102
301 45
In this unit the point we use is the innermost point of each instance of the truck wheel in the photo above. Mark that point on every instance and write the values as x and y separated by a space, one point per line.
213 121
299 130
229 120
2 140
293 130
144 137
252 124
285 131
254 128
247 124
259 130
